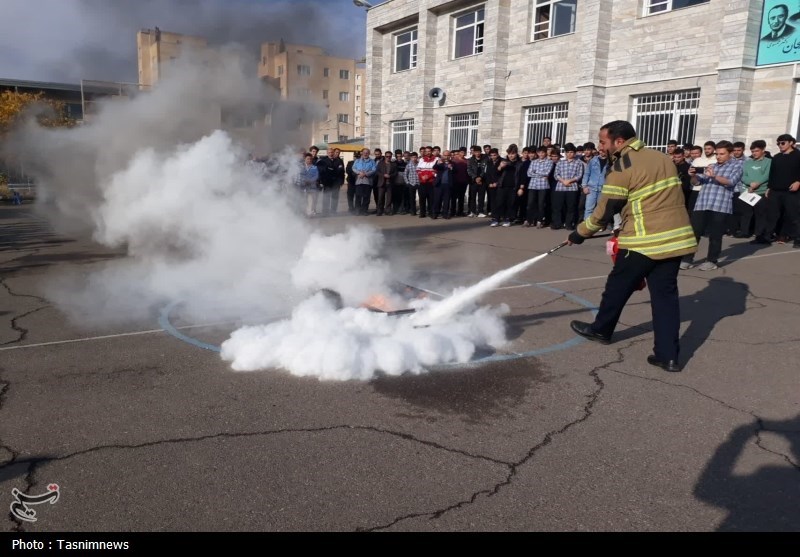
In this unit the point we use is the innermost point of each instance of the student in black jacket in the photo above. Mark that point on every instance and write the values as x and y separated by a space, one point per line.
331 177
351 187
503 209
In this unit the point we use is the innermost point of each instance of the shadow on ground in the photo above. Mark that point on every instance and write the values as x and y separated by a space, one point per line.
722 297
767 499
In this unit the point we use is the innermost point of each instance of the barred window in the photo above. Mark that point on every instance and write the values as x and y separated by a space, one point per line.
546 120
468 39
402 135
553 18
658 6
664 116
462 130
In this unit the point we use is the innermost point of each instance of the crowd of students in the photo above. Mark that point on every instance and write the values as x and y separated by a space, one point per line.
725 191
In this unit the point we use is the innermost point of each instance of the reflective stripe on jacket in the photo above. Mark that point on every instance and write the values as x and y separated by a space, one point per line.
643 185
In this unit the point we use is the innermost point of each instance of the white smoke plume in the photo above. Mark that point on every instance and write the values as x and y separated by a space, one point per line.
355 343
156 177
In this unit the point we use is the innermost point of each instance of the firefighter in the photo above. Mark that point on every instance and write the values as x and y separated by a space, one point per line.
643 185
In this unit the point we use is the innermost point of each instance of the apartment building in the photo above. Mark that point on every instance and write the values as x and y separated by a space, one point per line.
157 49
308 74
519 70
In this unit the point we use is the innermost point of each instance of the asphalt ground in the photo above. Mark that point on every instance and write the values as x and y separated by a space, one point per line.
143 431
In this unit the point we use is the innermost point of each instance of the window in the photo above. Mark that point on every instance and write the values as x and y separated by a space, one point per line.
324 94
303 70
343 118
325 138
405 50
796 109
303 92
664 116
344 74
326 72
74 111
343 138
263 60
280 70
546 120
462 130
468 34
358 98
358 87
658 6
553 18
402 132
344 96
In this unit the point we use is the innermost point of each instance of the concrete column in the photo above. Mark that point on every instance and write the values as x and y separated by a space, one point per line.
373 93
594 27
426 66
491 118
733 95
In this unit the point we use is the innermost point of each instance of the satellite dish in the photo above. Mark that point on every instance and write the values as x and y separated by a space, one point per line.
436 94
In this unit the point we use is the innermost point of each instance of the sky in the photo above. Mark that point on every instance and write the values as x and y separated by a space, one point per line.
70 40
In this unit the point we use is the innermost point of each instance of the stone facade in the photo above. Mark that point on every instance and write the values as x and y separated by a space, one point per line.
614 54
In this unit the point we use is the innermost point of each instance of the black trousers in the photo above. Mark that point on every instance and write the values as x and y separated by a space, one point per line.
363 192
351 197
398 193
747 213
714 224
384 202
457 199
477 198
536 205
787 205
503 205
410 199
520 207
662 280
330 200
425 199
687 198
491 197
565 205
732 224
441 200
692 200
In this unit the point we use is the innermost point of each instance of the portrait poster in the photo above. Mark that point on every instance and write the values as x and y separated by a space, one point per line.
779 36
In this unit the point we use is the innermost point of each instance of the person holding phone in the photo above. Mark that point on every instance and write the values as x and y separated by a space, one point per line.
714 204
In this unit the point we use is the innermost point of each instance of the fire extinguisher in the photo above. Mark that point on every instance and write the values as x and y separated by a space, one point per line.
612 249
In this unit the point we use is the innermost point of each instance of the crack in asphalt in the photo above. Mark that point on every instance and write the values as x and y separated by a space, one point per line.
513 467
35 463
22 331
6 386
759 421
114 373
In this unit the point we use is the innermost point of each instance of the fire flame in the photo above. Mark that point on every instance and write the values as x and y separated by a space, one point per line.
377 301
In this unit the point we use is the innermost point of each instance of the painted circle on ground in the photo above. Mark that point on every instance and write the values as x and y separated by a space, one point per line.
165 323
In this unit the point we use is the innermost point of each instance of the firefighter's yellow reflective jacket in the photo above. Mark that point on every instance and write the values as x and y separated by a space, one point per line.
643 185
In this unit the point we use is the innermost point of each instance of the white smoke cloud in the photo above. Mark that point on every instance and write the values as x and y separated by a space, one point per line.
155 177
355 343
